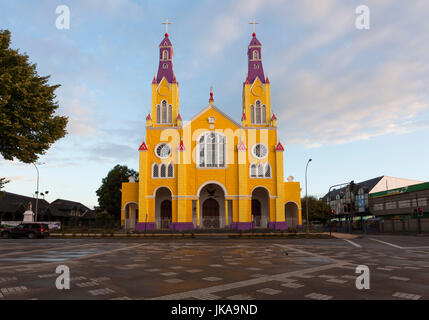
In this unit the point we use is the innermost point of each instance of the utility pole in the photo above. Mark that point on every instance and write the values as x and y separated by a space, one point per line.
37 192
306 196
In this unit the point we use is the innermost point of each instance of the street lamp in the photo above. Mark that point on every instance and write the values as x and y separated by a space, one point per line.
37 192
306 196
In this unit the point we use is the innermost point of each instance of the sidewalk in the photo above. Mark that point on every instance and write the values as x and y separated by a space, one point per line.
190 235
343 235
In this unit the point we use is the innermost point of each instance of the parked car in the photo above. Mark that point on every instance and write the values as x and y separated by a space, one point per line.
29 230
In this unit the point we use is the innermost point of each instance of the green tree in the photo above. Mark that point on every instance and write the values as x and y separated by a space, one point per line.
109 193
28 124
3 181
317 209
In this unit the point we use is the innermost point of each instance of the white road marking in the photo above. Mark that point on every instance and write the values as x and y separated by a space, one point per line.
318 296
399 278
385 269
353 243
292 285
408 296
269 291
240 297
174 280
87 284
212 279
6 291
168 274
387 243
102 292
337 281
259 280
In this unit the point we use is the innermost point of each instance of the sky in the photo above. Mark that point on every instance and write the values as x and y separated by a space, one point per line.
355 101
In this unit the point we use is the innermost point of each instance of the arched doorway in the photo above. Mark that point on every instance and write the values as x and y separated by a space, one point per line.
131 216
163 208
256 212
166 214
212 206
260 207
211 214
291 215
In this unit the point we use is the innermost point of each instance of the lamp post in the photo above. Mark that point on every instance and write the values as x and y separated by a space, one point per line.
306 197
37 192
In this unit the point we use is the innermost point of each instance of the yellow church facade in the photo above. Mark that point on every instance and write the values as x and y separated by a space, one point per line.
211 172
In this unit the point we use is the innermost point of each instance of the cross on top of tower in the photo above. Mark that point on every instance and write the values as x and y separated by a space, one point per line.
166 22
254 23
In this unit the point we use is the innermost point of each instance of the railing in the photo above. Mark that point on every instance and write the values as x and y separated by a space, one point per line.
211 222
257 222
165 223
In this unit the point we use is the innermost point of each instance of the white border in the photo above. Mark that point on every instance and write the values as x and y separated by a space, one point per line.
156 147
253 151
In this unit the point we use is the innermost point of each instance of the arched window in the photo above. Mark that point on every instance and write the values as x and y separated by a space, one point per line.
170 171
211 150
253 170
170 111
165 55
164 112
260 170
264 115
255 54
158 114
267 171
162 171
155 170
258 113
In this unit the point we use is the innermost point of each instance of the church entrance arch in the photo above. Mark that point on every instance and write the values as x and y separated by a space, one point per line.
260 207
211 214
291 215
163 208
131 216
212 206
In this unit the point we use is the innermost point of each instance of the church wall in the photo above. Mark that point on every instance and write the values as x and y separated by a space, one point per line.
292 191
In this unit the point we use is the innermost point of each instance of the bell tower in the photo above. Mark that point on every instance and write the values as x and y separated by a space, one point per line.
165 88
256 88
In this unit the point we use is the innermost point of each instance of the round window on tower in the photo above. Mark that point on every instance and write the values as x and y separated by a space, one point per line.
163 150
260 150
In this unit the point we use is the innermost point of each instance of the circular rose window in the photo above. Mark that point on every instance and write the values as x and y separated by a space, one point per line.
260 150
163 150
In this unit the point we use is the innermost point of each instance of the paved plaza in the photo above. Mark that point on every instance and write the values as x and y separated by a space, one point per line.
216 268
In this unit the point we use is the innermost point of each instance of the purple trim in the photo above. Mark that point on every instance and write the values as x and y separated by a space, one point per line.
252 73
242 225
282 225
140 226
181 226
167 72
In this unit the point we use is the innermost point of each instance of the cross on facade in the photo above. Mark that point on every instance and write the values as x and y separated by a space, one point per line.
166 25
254 23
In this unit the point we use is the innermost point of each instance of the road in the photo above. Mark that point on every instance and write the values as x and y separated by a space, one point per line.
215 268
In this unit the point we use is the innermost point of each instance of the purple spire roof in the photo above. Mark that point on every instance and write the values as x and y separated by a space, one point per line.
254 54
254 41
165 68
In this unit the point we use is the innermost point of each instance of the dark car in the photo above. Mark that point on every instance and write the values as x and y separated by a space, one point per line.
28 230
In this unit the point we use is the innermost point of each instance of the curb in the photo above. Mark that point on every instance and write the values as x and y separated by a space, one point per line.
195 236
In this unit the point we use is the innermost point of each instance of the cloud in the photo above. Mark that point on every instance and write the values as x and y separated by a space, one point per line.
79 105
107 152
348 85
